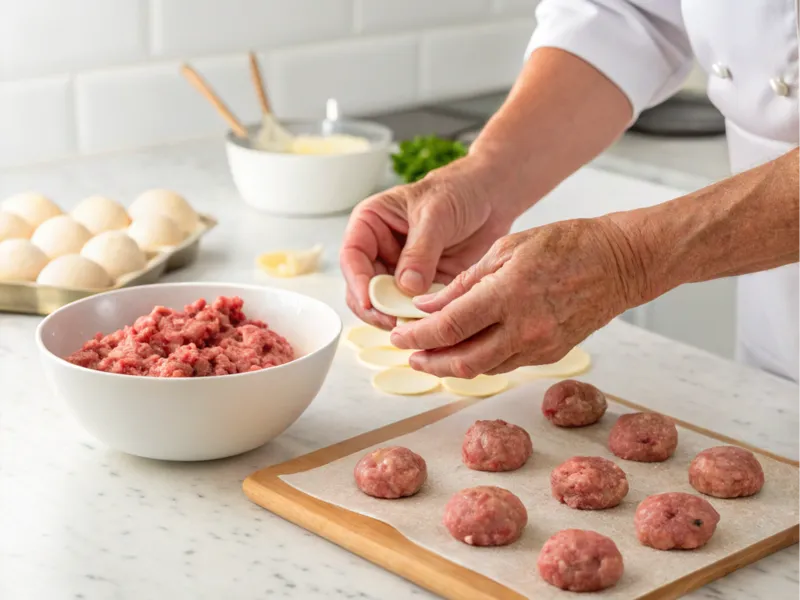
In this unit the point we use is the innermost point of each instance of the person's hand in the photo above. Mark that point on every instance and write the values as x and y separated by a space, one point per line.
529 300
423 232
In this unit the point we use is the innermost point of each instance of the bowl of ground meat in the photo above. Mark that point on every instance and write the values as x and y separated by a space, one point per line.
189 371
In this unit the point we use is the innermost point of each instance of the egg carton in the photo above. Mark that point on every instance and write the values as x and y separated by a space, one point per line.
35 299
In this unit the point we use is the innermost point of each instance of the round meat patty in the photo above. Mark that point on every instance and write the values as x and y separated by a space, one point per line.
393 472
485 516
496 446
588 483
726 472
580 561
675 520
643 437
571 403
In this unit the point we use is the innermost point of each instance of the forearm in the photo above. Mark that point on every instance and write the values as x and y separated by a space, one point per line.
560 114
743 224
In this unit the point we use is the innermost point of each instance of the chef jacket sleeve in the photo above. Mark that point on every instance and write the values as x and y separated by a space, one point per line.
640 45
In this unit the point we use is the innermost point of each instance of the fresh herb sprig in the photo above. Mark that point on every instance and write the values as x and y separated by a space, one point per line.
423 154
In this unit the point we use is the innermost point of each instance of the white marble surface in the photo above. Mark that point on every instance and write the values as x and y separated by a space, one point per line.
80 521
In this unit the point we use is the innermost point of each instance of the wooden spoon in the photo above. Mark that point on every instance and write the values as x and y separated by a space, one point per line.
208 93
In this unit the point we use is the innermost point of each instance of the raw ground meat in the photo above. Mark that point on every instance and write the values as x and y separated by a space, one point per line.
201 341
580 561
643 437
588 483
571 403
726 472
675 520
393 472
485 516
496 446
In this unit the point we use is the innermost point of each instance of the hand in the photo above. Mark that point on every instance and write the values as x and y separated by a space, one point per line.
529 300
423 232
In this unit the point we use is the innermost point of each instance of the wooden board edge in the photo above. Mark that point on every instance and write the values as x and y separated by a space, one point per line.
377 542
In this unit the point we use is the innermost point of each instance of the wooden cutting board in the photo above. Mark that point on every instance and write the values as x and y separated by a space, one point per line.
385 546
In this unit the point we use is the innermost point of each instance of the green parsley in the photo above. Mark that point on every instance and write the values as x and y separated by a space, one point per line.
423 154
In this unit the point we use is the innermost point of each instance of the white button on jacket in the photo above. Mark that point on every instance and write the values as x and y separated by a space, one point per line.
647 48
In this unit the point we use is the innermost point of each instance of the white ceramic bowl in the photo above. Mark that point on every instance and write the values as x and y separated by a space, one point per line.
309 185
189 418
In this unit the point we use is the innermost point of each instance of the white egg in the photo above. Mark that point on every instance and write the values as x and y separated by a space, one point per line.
168 204
20 260
31 206
155 232
13 227
116 252
99 214
76 272
60 235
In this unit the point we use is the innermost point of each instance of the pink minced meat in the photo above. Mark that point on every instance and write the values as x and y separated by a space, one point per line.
675 520
580 561
643 437
485 516
496 446
201 341
588 483
571 403
726 472
394 472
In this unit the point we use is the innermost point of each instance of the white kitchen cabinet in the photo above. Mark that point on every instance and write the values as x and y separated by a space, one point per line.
700 314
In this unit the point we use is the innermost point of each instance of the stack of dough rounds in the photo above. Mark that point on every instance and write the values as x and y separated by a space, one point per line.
14 227
575 362
75 272
20 260
33 207
60 235
116 252
155 232
168 204
99 214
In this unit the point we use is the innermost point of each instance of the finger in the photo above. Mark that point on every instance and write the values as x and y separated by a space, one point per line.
515 361
464 282
417 265
357 269
456 322
370 315
469 359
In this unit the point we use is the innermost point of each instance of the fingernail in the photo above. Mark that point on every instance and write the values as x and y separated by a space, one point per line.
412 280
423 298
397 340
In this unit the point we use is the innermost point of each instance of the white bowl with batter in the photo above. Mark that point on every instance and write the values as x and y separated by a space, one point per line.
304 185
198 418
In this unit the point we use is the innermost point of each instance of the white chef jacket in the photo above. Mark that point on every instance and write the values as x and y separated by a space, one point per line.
749 48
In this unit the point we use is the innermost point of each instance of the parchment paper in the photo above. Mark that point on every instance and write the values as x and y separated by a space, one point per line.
743 522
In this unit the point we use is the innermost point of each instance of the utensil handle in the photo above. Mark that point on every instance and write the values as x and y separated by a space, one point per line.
200 85
258 83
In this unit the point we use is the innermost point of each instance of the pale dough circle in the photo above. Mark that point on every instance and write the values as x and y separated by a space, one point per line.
61 235
14 227
99 214
20 260
404 381
166 203
31 206
366 336
387 298
575 362
403 321
382 357
291 263
480 387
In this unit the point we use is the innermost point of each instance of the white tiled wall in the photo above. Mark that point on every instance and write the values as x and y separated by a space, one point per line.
87 76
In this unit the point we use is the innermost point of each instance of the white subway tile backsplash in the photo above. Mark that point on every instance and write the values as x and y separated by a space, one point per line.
472 60
192 27
520 7
364 75
48 36
35 121
143 106
390 15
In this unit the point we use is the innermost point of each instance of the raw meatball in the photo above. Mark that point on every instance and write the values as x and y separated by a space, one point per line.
644 437
588 483
726 472
580 561
393 472
571 403
485 516
496 446
675 520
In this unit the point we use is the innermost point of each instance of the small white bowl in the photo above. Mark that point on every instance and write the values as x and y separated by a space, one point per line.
309 185
189 418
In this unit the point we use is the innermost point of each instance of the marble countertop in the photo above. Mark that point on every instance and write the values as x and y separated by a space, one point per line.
81 521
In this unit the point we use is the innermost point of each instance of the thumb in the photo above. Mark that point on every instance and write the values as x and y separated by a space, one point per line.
416 267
